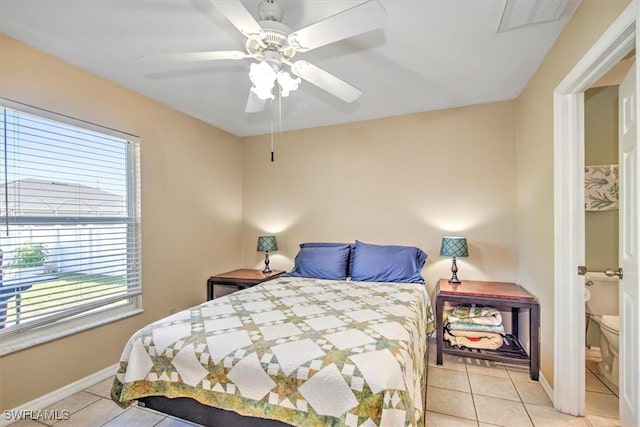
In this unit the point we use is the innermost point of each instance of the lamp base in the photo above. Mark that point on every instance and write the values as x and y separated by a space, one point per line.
454 270
266 263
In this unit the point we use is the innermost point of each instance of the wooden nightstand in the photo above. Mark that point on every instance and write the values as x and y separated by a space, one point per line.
503 296
240 279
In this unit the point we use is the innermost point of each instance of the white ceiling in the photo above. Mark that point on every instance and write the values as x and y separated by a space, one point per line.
431 54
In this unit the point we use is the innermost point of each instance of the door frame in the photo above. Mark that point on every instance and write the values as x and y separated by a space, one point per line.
569 314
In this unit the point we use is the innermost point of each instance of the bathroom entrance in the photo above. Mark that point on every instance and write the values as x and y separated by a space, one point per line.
601 189
569 223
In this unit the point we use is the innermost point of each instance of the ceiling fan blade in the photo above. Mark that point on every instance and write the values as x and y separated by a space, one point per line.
325 80
351 22
240 17
197 56
254 104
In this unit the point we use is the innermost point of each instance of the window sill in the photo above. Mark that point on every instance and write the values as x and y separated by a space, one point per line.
12 344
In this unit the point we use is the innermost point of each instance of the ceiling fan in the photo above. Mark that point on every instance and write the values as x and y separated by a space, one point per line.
273 45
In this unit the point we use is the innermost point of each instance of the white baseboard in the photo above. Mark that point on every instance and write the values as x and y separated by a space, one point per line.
49 399
545 386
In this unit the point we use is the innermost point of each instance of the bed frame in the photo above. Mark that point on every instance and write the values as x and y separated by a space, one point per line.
196 412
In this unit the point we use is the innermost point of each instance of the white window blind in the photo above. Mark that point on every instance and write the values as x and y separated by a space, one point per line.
69 221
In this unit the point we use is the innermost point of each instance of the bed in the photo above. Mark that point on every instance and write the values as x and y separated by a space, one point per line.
296 350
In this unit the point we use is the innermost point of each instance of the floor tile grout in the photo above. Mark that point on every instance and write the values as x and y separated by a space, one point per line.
521 400
473 401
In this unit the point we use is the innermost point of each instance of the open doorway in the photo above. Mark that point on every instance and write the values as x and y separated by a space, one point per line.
601 136
569 379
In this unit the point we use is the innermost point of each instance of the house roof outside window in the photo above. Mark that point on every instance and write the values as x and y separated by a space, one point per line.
37 197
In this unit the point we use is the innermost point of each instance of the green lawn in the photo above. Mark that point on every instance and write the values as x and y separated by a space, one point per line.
70 290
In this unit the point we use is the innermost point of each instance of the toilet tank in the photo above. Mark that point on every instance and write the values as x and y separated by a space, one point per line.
601 295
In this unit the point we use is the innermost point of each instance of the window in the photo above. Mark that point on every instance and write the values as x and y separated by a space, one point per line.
69 226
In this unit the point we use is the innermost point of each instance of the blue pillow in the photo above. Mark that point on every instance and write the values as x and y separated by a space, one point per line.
387 263
322 262
352 247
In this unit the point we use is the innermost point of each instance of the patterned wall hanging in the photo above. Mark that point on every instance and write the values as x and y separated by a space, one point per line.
601 187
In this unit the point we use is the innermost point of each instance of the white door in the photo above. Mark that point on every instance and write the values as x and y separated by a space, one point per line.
629 253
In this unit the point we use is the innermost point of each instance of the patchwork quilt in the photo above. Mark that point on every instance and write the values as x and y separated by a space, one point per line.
298 350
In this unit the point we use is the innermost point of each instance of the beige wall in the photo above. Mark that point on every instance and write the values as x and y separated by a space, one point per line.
534 135
401 180
484 172
601 148
191 210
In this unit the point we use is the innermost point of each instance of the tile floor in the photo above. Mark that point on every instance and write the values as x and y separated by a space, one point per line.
471 392
462 392
93 407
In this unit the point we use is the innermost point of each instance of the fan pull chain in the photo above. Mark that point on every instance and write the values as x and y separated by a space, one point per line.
272 157
272 140
280 116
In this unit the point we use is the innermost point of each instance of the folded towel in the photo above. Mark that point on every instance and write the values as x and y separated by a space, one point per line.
474 314
474 339
465 326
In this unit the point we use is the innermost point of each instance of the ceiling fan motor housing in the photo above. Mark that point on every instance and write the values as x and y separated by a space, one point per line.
275 40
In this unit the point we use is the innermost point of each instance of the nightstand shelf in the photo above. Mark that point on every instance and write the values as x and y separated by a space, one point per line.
240 279
510 352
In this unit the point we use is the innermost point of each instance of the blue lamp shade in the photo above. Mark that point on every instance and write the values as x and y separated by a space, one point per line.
267 243
454 247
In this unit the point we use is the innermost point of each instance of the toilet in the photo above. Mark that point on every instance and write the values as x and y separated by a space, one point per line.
601 303
609 339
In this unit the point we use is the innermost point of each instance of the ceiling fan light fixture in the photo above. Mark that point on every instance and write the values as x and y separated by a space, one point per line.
263 77
262 93
287 83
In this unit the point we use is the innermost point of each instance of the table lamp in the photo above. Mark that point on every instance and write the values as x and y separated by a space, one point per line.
266 244
454 247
